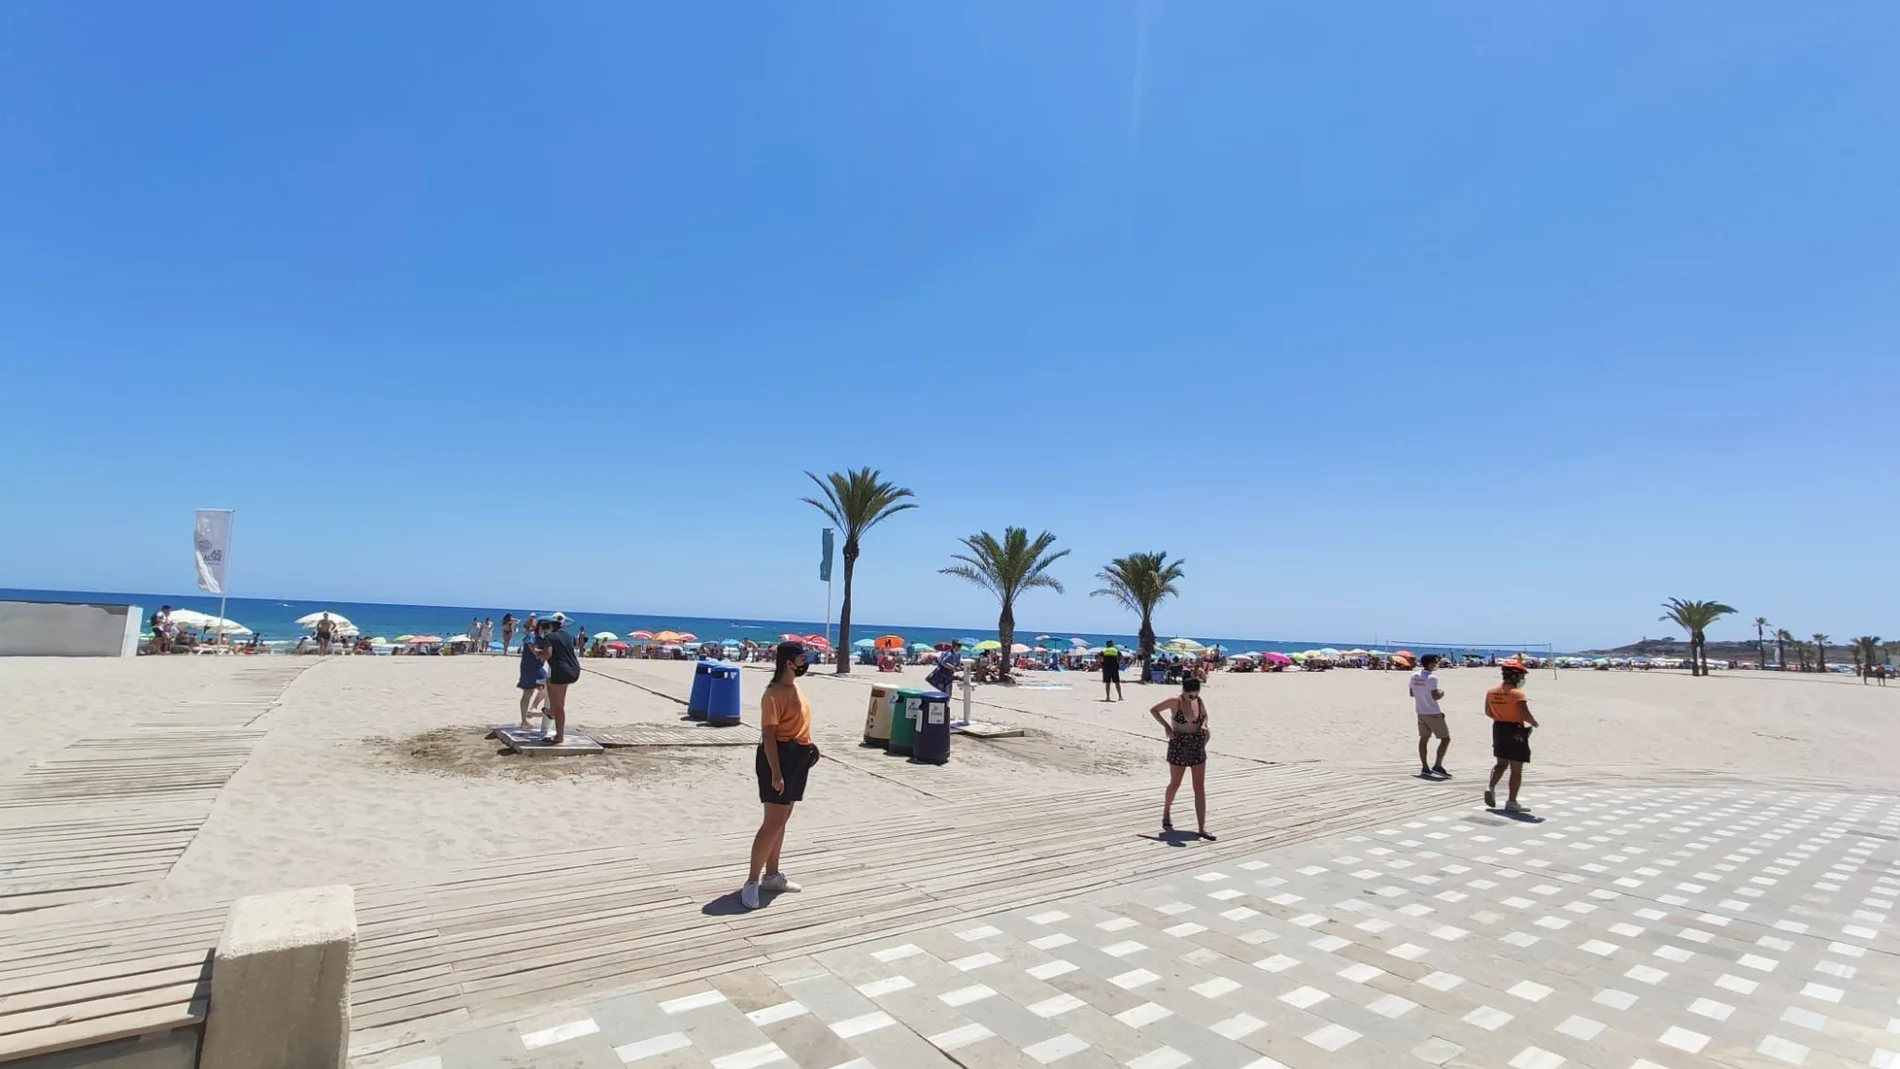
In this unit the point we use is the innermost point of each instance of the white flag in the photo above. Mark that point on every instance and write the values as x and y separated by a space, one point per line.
213 548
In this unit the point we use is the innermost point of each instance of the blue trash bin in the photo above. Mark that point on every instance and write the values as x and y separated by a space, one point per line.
933 730
702 686
722 695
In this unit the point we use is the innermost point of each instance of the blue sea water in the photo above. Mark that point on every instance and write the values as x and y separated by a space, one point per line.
275 619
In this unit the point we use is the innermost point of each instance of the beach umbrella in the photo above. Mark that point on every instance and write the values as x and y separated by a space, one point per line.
988 644
1018 648
643 636
889 642
921 647
789 637
425 640
1079 643
1277 658
817 642
1298 656
606 636
198 621
668 637
311 620
970 642
686 636
404 638
1327 651
616 645
864 644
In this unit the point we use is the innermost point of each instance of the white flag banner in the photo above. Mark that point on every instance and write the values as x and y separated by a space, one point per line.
213 548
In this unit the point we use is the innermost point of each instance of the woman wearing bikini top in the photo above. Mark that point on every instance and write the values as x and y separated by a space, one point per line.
1186 725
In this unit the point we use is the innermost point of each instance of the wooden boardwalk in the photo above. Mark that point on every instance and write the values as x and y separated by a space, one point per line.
114 810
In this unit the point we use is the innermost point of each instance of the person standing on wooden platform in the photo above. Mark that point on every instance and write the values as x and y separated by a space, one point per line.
564 670
783 763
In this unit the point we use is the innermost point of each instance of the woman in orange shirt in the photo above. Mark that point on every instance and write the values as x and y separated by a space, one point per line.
783 762
1511 724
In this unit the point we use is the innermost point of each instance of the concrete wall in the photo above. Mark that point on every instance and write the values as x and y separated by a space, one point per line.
69 629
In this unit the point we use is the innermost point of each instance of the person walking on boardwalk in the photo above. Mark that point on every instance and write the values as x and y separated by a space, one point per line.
564 670
783 763
1511 726
1111 671
1186 726
1423 687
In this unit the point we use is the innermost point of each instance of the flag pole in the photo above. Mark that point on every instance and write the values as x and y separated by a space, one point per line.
224 584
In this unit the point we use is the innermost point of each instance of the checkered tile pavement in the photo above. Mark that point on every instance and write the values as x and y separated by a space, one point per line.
1661 928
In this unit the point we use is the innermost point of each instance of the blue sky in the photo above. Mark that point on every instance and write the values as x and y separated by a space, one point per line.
1470 323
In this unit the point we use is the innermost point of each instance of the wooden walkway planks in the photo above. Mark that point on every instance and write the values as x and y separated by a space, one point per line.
119 809
486 943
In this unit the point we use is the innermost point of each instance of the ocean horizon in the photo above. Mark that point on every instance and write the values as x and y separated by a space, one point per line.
274 619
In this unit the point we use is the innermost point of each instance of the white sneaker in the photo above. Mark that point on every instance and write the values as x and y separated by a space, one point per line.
776 881
749 895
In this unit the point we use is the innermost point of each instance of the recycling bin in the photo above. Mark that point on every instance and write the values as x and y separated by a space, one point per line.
932 746
722 695
904 713
877 718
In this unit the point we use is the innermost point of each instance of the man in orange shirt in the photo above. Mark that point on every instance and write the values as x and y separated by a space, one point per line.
1511 724
783 762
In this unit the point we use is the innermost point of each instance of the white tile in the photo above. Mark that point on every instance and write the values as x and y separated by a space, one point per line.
1185 929
1823 992
1361 973
1671 952
1332 1037
1581 1028
1145 1014
1736 984
1392 1006
1599 948
1049 917
1756 961
1442 981
1124 948
1488 1018
981 932
857 1026
1684 1039
1794 1053
890 985
1050 969
693 1002
1215 988
1330 943
1529 991
1276 963
1239 913
976 961
1162 1058
1536 1058
1239 1026
1227 894
1436 1051
1408 951
1804 1018
752 1058
1056 1006
653 1048
784 1011
1304 997
1055 1049
1133 978
1645 974
963 996
1173 908
1708 1007
1616 1000
1050 942
960 1037
560 1033
1116 924
1520 939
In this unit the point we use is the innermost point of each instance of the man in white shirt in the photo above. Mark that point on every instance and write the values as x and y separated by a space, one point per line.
1423 686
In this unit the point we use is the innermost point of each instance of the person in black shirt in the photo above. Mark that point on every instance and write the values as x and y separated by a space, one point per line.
564 670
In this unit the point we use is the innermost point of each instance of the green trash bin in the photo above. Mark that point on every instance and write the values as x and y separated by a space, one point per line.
905 711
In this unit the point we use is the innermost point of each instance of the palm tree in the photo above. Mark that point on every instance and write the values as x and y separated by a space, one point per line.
855 501
1140 581
1801 655
1820 652
1761 642
1695 618
1866 652
1783 636
1007 569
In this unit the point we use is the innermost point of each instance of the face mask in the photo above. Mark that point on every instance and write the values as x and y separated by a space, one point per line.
799 670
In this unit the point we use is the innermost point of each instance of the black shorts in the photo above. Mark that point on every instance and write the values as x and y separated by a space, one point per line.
794 764
1510 742
1111 672
562 679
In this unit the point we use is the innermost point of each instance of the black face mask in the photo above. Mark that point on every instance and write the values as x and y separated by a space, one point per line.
800 669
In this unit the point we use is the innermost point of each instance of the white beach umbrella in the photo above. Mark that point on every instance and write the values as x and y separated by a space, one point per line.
190 620
311 620
606 636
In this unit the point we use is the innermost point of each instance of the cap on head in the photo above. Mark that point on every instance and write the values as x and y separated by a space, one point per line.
559 618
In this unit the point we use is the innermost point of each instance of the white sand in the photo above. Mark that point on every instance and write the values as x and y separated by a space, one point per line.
350 785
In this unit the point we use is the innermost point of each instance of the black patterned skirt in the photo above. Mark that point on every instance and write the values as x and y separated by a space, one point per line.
1188 750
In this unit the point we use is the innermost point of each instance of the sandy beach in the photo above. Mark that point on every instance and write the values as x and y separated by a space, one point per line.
376 771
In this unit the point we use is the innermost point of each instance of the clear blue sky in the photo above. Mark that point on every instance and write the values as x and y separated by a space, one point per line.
1476 323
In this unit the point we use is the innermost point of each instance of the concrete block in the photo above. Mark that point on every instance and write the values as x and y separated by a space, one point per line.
280 982
176 1049
69 629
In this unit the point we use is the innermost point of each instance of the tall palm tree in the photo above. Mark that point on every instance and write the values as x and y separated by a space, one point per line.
855 501
1820 652
1007 569
1761 642
1801 655
1695 618
1783 636
1867 652
1140 581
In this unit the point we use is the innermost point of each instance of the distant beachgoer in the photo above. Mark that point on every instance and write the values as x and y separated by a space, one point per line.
534 680
1187 749
581 642
1111 672
1423 687
474 632
507 632
488 633
162 629
326 633
1511 726
783 763
564 670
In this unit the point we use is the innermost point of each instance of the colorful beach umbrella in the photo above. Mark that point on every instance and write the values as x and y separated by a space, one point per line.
424 640
643 636
890 642
1018 648
864 644
1277 658
606 636
988 644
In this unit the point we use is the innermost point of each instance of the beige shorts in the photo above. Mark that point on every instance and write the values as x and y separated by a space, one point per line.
1433 726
